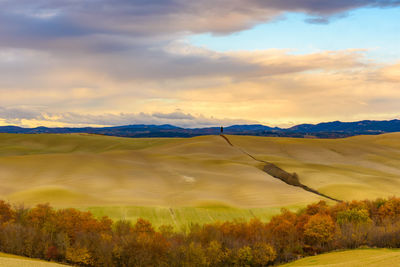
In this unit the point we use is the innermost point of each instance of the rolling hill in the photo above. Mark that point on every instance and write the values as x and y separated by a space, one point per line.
358 167
200 179
8 260
99 170
351 258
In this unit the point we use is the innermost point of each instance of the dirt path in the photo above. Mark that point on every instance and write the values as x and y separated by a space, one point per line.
275 171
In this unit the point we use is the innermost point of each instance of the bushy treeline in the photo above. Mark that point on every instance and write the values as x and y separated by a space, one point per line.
72 236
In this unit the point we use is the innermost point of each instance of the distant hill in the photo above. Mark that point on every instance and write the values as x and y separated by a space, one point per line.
334 129
359 127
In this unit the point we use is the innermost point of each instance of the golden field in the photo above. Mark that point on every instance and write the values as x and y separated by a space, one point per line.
189 180
8 260
360 167
98 170
352 258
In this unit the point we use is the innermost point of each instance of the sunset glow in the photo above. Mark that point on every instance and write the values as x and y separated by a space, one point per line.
198 63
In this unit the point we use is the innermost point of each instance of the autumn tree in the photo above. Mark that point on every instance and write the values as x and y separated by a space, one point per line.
6 213
263 254
216 255
319 231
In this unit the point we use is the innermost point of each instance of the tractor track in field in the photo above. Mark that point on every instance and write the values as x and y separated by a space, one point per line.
172 212
276 172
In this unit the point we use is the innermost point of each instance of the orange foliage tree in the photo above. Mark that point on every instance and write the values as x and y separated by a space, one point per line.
79 238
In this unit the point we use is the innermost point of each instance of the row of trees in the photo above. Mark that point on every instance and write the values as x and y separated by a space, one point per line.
72 236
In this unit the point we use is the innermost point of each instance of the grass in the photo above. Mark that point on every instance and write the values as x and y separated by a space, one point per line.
183 217
351 168
352 258
10 260
87 170
201 179
197 180
30 144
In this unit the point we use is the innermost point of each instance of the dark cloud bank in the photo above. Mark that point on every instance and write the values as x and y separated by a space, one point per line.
49 19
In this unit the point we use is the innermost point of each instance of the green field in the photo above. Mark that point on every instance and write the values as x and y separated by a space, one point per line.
181 218
8 260
187 180
352 258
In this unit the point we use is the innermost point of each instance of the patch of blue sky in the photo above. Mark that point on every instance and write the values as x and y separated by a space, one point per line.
373 29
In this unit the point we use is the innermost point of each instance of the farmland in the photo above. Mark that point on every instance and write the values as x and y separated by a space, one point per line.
8 260
181 218
358 167
351 258
90 170
194 180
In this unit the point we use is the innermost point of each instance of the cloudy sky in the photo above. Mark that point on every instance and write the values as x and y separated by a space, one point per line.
198 63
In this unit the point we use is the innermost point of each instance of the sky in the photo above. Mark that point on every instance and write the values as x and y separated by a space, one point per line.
198 63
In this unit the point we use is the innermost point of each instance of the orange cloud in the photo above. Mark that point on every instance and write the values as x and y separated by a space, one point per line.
272 87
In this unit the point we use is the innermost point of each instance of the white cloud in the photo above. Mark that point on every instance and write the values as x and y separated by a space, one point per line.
32 118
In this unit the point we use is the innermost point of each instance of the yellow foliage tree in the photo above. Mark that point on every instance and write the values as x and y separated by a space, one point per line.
79 255
244 257
319 230
263 254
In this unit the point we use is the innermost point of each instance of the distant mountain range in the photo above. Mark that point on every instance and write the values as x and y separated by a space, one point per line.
334 129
